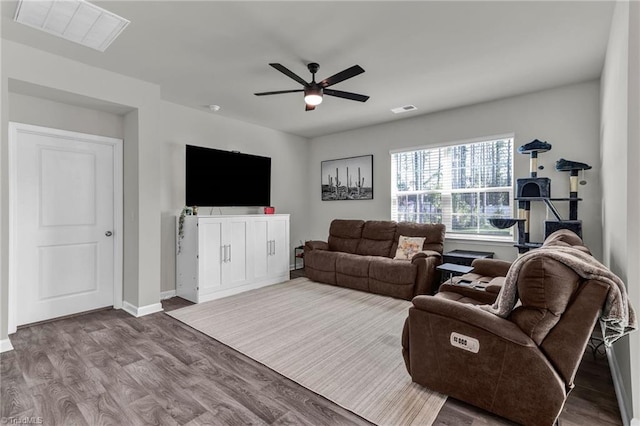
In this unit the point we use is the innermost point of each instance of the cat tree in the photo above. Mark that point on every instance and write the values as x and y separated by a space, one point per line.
538 189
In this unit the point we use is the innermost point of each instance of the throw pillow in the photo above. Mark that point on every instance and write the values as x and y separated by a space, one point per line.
408 246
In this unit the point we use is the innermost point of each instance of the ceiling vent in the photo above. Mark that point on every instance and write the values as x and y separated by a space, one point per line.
402 109
73 20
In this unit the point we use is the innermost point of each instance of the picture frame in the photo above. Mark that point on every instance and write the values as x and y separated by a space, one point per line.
347 178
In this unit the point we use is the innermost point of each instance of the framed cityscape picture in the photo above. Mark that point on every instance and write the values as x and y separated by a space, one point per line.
347 178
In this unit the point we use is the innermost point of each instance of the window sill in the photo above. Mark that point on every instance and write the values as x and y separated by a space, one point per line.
480 240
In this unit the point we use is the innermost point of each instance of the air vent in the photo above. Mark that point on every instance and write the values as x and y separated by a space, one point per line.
402 109
73 20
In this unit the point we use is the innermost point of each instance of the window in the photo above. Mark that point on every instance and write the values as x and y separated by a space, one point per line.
459 185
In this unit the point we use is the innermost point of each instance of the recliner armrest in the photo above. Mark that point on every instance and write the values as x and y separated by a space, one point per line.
316 245
426 253
474 316
491 267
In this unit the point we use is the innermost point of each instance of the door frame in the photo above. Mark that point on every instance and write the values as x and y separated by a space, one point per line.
118 208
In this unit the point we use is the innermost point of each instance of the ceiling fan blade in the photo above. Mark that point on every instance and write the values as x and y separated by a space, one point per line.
278 92
309 107
286 71
346 95
341 76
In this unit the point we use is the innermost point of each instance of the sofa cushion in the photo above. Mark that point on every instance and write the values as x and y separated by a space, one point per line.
344 235
394 278
352 271
433 233
322 260
377 238
545 288
353 264
393 271
408 247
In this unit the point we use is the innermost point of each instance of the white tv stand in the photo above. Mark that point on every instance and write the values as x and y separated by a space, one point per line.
227 254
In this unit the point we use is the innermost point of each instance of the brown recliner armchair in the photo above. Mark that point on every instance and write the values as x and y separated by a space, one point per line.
488 274
521 367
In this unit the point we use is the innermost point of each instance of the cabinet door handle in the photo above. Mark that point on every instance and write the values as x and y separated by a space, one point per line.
229 252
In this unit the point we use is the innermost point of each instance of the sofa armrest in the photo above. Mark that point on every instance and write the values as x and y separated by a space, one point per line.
480 295
426 253
475 317
495 285
491 267
427 278
316 245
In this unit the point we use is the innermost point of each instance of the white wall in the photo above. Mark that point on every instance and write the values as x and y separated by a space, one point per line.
633 194
620 152
38 68
566 117
57 115
182 126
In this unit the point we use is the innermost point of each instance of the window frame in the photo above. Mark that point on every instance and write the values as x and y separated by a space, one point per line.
510 238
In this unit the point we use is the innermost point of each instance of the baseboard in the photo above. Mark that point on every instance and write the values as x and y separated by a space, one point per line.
167 294
5 345
142 310
621 394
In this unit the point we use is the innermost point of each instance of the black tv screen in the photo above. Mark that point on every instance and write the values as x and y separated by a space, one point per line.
224 178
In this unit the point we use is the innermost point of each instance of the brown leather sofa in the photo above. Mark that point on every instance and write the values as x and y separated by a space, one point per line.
525 364
359 255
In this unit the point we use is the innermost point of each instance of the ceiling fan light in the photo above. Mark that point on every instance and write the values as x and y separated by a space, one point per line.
313 96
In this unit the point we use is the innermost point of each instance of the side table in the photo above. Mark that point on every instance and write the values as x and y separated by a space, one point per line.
454 269
465 257
298 253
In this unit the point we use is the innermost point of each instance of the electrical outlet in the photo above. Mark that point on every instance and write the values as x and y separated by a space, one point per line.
464 342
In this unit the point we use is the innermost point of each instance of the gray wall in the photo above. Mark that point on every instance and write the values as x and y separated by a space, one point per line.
153 163
48 113
35 68
620 152
567 117
182 126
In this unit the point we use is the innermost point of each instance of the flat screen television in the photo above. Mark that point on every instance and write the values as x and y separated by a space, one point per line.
224 178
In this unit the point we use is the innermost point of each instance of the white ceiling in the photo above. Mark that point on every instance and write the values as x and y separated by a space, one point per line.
434 55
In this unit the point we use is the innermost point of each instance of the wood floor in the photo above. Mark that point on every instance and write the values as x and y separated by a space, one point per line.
109 368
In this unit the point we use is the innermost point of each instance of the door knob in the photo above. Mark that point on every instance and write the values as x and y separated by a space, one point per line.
108 233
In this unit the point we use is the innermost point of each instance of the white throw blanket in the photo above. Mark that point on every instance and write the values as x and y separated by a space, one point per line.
617 317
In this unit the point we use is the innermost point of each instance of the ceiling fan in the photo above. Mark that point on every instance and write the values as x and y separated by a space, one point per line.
313 91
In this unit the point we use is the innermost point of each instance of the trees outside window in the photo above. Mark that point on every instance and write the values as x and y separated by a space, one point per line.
460 185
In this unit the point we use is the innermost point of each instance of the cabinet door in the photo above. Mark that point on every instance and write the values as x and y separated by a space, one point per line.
279 253
261 246
234 269
210 252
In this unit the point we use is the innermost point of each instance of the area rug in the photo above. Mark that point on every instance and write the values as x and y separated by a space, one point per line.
342 344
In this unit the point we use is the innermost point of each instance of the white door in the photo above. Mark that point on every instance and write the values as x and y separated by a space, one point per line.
212 255
261 248
63 222
234 270
279 258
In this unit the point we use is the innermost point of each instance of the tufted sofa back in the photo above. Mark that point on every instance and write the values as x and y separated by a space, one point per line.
377 238
344 235
380 237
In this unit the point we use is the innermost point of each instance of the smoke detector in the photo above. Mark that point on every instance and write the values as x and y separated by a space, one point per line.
402 109
75 20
